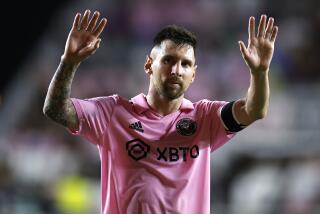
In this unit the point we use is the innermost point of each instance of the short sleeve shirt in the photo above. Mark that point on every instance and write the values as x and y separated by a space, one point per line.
152 163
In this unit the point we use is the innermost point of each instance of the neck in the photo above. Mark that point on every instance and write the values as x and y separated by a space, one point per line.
163 105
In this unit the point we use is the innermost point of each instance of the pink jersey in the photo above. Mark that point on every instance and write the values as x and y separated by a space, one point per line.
152 163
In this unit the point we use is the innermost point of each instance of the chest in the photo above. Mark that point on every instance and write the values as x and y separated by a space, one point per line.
174 138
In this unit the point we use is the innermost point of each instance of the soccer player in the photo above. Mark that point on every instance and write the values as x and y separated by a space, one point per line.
155 148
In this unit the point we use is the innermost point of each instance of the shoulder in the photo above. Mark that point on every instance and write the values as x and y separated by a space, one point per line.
206 104
105 99
112 101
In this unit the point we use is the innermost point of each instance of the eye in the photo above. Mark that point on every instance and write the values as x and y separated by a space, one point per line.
185 64
166 61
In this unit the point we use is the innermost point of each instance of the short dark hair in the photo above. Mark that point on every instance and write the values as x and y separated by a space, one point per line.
177 34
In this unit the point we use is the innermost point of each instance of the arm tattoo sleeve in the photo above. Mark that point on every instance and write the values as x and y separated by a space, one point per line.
58 105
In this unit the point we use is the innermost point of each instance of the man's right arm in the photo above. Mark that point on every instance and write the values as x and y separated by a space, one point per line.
58 105
83 41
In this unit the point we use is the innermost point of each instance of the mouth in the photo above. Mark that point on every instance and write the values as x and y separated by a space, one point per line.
174 81
173 86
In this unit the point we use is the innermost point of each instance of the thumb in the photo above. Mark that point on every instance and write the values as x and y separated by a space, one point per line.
97 44
243 50
90 48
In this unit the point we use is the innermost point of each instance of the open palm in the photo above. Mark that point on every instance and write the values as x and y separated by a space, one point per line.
83 39
258 54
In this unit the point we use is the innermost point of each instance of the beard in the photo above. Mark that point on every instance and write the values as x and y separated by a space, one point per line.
172 90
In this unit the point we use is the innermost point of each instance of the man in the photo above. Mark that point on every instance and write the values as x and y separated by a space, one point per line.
155 149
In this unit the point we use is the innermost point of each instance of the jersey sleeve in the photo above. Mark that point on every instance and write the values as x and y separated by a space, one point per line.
94 116
219 134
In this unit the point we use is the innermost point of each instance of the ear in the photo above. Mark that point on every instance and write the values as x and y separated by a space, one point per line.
194 73
148 64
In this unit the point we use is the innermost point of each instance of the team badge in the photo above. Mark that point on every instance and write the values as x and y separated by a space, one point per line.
186 126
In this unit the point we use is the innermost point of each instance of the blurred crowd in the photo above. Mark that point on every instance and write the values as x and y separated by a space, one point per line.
271 167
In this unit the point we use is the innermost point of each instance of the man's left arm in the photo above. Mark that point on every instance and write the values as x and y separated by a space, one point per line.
257 55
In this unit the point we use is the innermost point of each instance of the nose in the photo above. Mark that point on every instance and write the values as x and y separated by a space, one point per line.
176 69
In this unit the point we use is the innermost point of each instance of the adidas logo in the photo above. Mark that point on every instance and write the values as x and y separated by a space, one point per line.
136 126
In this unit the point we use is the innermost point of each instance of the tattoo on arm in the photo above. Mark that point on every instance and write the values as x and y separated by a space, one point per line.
58 105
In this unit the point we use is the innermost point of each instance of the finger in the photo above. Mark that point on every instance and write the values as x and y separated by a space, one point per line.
76 21
274 33
269 28
243 50
93 21
262 25
251 28
100 27
85 20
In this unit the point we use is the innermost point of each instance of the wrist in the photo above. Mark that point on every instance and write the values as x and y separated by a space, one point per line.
69 62
259 72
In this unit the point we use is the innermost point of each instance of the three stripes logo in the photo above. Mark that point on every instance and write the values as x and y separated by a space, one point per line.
136 126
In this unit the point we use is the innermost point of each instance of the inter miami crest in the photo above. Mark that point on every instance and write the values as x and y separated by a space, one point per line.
186 126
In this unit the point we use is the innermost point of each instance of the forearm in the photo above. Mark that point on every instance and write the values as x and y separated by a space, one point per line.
57 104
257 99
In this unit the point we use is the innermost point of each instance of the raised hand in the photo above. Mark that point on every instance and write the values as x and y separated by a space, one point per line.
259 52
83 39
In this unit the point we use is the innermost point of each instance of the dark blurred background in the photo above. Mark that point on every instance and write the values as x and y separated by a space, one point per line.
23 24
271 167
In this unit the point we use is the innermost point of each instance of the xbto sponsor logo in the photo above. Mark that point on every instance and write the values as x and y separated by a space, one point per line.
138 150
174 154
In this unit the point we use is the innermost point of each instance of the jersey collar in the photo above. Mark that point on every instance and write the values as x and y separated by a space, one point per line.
140 104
